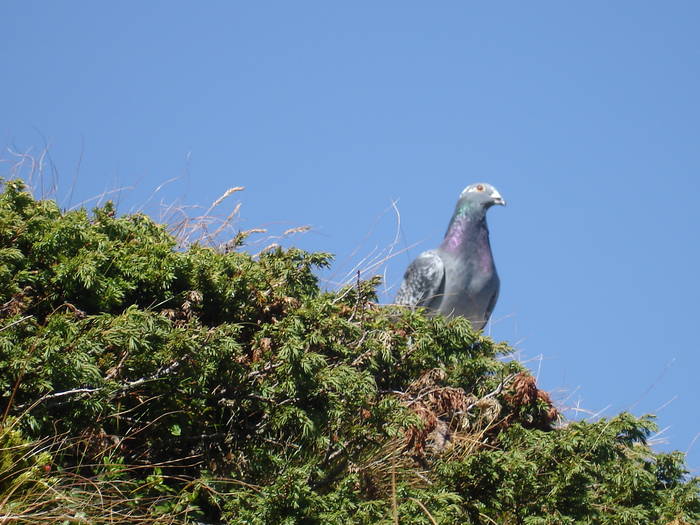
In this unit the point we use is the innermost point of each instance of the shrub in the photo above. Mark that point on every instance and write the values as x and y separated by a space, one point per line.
143 383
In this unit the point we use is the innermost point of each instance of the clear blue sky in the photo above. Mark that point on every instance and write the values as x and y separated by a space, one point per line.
586 117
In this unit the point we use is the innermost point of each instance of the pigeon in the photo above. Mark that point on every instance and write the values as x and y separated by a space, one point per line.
459 277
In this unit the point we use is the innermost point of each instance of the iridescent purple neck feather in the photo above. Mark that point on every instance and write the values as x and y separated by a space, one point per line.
468 226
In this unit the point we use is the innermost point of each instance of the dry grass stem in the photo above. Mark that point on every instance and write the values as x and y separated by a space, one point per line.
223 197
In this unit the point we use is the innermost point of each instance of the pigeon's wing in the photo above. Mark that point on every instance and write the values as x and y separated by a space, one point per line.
423 282
492 302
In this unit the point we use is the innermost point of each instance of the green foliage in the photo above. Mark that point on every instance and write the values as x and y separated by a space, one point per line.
169 386
23 464
584 473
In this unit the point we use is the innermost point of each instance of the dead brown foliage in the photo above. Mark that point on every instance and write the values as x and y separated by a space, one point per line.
524 394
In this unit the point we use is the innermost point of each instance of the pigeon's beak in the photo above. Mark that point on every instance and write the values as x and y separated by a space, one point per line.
497 199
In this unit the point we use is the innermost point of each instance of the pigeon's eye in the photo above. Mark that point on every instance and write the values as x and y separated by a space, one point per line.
479 187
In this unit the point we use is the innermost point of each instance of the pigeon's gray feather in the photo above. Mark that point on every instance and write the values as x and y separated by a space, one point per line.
459 277
492 303
423 281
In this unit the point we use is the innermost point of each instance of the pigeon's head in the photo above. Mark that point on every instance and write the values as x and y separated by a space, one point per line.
480 194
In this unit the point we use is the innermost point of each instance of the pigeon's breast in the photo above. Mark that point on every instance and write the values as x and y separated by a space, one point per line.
470 286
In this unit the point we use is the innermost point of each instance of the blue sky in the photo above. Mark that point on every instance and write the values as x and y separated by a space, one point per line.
585 116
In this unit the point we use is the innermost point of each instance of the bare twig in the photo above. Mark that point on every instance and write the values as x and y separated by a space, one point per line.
425 510
394 505
68 393
15 322
264 370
